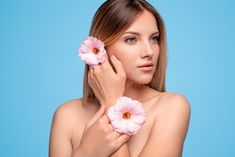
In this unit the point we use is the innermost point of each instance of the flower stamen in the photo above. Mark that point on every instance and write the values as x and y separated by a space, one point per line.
126 115
95 50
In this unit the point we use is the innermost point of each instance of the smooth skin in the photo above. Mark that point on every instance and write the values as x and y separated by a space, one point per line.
84 130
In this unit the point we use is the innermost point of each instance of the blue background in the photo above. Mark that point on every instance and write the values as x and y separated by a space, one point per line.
40 69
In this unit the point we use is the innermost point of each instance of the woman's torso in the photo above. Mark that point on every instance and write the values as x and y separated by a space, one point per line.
137 142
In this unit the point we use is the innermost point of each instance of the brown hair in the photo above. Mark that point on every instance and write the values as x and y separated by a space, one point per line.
110 21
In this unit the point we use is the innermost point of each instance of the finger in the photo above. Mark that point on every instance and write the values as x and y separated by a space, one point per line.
106 64
91 67
96 69
117 134
122 139
89 78
105 119
117 65
97 115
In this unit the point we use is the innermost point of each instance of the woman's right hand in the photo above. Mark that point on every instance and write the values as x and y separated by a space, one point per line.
99 139
107 84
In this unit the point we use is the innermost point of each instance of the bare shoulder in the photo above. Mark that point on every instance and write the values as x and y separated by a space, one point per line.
174 102
71 115
63 121
170 126
174 116
66 114
69 109
72 107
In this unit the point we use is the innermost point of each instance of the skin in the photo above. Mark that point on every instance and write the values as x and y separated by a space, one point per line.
74 126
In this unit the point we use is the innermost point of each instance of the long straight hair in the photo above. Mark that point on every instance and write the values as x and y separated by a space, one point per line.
110 21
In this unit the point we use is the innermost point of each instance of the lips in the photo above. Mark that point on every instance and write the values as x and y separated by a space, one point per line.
147 67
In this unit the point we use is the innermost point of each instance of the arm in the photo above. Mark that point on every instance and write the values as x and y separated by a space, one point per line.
97 137
60 145
103 80
122 151
169 130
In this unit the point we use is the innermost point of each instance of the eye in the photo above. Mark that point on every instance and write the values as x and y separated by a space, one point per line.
130 40
155 39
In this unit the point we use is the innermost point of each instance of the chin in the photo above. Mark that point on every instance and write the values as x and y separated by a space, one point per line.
142 81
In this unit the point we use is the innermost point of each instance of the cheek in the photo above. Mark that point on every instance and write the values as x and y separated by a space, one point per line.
156 54
120 51
112 50
128 60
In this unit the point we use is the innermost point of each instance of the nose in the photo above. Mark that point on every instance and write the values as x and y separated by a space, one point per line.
148 50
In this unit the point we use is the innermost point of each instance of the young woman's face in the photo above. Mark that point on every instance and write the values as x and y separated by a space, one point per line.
138 48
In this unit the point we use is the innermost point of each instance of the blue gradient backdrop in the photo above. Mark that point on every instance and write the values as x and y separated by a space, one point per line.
40 69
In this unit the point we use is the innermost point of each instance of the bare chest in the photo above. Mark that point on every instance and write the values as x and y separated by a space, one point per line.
135 144
138 141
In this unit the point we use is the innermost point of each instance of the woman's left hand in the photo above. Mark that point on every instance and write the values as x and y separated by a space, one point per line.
107 84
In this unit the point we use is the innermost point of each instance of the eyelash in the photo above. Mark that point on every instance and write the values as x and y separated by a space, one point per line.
127 40
130 38
156 37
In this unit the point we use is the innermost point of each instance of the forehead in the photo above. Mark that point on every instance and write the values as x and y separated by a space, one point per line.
145 22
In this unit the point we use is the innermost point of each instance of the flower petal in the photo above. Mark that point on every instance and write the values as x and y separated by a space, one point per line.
132 128
113 114
120 123
140 119
86 51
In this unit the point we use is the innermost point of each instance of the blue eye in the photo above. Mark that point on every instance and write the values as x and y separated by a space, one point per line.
130 40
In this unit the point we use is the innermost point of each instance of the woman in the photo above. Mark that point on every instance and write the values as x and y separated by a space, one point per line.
134 36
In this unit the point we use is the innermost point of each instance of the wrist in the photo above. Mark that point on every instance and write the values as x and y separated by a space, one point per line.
110 102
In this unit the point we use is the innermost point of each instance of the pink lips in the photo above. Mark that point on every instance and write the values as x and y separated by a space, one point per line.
146 67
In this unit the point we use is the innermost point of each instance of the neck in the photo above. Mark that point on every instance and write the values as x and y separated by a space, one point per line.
135 90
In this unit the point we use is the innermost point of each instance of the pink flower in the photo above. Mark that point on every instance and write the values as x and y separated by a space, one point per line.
126 116
92 51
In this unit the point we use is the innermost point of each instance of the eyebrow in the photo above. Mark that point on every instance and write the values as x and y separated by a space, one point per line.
138 34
